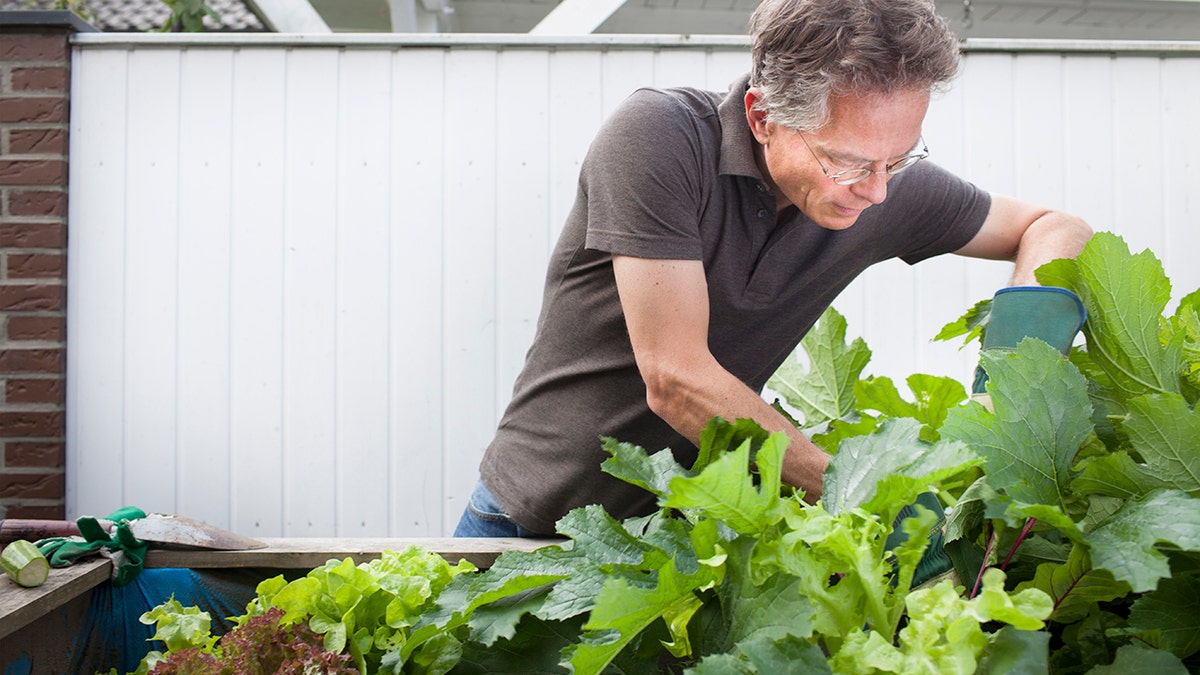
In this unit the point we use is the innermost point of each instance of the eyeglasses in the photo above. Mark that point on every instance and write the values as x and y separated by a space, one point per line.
852 176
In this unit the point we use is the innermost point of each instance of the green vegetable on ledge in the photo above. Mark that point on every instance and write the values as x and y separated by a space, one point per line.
24 564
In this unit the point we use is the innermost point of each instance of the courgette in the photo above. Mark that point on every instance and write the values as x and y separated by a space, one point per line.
25 564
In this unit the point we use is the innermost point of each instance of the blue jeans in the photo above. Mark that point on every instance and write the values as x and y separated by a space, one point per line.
484 517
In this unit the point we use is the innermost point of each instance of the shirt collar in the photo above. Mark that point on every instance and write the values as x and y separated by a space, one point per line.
737 143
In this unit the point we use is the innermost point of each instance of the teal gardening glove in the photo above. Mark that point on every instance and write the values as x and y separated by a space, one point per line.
1048 313
126 551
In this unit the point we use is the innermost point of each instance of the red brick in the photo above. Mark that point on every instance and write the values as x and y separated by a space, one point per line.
48 79
37 511
33 172
34 141
49 455
50 390
30 109
32 297
50 47
32 485
33 424
37 203
49 361
36 266
43 328
32 235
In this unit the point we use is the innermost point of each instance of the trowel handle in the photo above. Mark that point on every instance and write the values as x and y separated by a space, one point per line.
12 529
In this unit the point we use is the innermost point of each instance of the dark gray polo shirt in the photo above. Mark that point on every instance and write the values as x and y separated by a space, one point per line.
672 175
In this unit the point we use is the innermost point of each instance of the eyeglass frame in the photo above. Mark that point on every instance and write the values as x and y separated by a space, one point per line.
905 162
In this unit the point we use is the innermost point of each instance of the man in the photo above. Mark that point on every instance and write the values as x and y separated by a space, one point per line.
711 231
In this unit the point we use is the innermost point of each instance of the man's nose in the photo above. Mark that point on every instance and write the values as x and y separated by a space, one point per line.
873 188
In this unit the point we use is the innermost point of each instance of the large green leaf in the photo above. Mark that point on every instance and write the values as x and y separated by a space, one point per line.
1075 586
1165 431
624 609
728 491
882 472
1042 416
825 390
631 464
1135 660
1125 543
1174 611
762 655
1125 296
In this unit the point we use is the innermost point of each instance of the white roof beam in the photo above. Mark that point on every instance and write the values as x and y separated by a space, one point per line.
576 17
291 16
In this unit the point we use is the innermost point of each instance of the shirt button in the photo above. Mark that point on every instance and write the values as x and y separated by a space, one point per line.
761 187
762 213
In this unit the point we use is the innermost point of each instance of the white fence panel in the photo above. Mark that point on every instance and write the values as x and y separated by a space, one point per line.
304 275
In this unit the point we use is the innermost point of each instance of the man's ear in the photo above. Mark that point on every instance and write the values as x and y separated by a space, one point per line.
756 118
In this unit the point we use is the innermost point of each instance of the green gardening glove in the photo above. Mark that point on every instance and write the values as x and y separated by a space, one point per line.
935 565
1054 315
126 551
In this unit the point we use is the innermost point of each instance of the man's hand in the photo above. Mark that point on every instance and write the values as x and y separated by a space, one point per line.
666 311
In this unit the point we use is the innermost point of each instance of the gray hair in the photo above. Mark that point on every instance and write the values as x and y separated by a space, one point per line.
806 51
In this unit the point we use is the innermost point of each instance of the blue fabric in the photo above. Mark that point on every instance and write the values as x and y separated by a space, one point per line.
484 517
116 638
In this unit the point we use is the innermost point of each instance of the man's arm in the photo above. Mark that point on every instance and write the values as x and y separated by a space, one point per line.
1028 235
666 311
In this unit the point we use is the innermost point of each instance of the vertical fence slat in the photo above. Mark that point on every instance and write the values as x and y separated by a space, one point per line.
310 283
257 200
151 290
416 296
205 147
364 123
1180 145
95 293
469 319
522 206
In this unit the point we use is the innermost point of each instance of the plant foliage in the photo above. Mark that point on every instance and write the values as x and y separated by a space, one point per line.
1073 523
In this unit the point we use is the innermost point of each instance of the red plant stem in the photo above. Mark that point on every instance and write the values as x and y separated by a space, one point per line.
1020 538
987 553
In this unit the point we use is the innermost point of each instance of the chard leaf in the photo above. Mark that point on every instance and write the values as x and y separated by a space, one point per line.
1125 543
1165 431
1042 415
824 391
1075 587
761 655
1174 611
1134 660
726 490
1016 651
882 472
1125 296
1117 475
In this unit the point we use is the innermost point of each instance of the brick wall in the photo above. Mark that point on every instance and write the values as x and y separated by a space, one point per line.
34 87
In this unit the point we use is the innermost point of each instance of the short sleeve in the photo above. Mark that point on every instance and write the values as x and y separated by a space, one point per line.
643 179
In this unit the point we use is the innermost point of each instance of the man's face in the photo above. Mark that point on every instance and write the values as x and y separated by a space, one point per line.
863 132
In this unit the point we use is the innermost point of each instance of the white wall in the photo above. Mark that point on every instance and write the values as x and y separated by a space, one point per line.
303 273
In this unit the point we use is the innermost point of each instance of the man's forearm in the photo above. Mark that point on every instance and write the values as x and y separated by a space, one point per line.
695 401
1054 235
